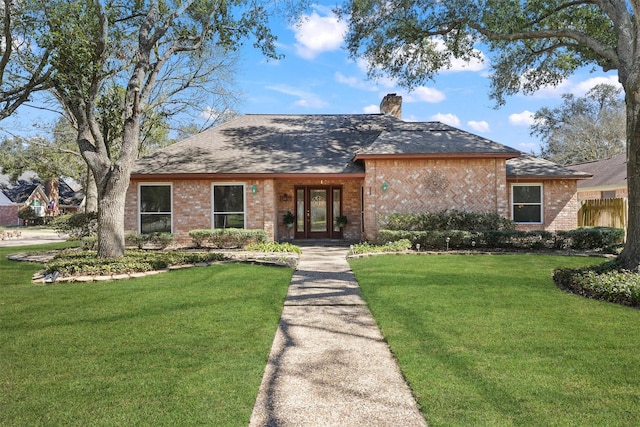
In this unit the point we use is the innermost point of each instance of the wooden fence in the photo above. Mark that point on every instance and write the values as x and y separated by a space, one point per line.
603 213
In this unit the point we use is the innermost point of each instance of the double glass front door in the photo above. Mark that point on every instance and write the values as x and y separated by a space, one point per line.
316 211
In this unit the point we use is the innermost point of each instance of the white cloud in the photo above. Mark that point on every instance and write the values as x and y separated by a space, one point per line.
355 82
371 109
579 88
522 119
305 99
449 119
583 87
316 34
481 126
424 94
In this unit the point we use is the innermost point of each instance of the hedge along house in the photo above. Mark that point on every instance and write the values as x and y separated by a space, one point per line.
251 171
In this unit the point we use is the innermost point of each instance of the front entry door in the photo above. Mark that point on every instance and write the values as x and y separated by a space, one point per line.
316 208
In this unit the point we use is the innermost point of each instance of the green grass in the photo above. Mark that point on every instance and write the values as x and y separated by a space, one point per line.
489 340
186 347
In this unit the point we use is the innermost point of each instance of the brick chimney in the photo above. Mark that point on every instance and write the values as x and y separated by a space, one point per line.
392 104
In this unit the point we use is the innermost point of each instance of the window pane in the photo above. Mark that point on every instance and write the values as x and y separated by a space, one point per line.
155 224
527 213
318 210
527 194
300 210
228 198
228 221
155 198
336 208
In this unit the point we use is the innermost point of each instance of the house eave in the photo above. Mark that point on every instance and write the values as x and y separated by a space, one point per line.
244 176
544 177
436 156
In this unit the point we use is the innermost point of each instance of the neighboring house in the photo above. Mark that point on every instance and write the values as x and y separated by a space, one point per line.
249 172
604 198
33 192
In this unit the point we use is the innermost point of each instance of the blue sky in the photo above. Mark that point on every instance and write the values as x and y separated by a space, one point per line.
316 76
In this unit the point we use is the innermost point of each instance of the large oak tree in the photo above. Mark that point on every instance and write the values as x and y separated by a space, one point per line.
531 43
138 45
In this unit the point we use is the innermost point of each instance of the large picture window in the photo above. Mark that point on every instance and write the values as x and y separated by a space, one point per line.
527 203
155 208
228 206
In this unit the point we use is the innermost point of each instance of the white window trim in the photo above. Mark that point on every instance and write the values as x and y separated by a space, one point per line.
150 184
529 184
244 202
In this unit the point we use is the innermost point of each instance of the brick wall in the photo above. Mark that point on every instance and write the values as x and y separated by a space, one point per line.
432 185
9 215
614 193
560 203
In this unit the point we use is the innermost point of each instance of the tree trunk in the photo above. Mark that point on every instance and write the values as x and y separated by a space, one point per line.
111 201
630 256
90 193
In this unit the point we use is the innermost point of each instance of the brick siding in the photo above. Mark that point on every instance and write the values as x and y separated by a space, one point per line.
9 215
560 204
432 185
415 185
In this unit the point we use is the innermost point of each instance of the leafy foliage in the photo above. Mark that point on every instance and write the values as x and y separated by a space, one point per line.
598 238
227 237
76 225
583 129
606 282
86 263
392 246
273 247
159 240
448 220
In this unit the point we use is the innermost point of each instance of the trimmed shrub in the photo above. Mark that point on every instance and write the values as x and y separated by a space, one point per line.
273 247
157 240
227 238
606 238
396 246
601 238
447 220
77 225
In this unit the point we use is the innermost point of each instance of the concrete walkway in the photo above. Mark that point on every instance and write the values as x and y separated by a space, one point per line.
329 364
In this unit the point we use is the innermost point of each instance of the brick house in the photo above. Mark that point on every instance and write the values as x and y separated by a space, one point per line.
39 195
251 171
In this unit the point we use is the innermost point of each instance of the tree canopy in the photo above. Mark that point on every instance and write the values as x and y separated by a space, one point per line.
113 61
583 129
531 44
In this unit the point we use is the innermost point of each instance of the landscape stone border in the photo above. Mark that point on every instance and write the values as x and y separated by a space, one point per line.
277 259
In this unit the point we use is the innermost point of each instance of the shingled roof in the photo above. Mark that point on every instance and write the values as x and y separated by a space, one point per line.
272 144
328 144
606 173
433 139
531 167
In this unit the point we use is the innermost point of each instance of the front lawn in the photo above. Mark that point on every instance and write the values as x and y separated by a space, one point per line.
490 340
186 347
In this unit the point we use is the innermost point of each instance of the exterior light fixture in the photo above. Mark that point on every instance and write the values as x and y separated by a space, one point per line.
418 247
384 187
254 189
448 239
